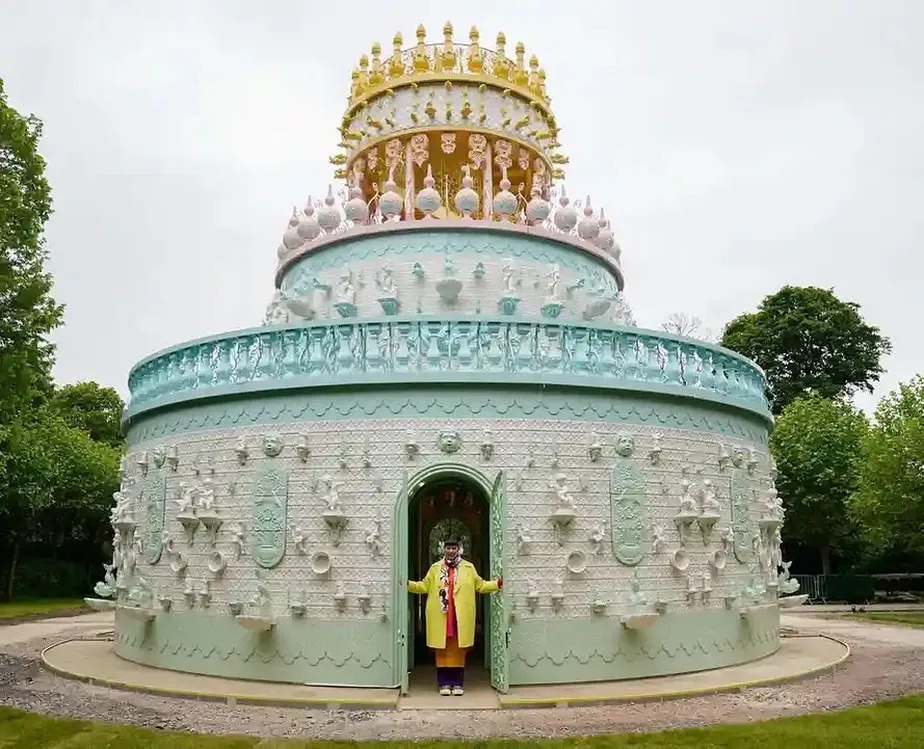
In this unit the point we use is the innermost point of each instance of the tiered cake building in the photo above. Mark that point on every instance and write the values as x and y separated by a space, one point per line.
447 350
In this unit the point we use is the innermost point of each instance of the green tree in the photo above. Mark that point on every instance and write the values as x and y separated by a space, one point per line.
95 409
58 486
27 311
809 341
890 502
818 447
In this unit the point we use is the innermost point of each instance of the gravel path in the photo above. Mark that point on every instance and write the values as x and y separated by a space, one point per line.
884 664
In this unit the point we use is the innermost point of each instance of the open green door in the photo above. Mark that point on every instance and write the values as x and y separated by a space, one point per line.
500 620
400 601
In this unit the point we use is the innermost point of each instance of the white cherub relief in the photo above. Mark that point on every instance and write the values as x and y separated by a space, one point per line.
207 494
299 540
374 537
554 283
687 501
332 494
386 282
121 508
710 504
524 539
186 501
507 275
276 311
596 539
562 491
346 291
657 538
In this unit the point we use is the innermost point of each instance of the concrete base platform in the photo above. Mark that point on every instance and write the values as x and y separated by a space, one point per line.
95 662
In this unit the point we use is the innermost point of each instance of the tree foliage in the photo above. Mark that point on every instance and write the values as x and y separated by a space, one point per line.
92 408
818 447
27 311
809 341
57 485
890 502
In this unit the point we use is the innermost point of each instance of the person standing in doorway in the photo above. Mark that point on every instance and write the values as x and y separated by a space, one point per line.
450 586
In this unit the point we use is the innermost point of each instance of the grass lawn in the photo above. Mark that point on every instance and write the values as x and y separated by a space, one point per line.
897 724
908 618
40 607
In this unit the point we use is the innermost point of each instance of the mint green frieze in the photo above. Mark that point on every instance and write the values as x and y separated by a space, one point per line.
300 278
559 651
405 351
451 401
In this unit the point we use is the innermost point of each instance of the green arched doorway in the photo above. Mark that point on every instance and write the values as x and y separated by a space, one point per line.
449 498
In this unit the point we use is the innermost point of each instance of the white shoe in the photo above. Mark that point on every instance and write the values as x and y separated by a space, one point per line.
445 691
457 691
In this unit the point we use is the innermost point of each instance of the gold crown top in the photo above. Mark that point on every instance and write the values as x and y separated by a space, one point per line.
448 61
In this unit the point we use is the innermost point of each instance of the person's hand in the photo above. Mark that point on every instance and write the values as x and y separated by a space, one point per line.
500 583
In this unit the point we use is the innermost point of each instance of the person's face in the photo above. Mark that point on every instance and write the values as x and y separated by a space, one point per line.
450 551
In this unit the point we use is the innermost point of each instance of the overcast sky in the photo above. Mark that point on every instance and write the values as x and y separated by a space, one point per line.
738 145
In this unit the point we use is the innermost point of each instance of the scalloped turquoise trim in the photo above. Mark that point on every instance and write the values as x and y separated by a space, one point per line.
450 402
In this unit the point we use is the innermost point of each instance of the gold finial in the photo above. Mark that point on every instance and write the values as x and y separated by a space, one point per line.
475 58
501 63
520 76
534 73
541 84
354 85
448 60
421 59
363 72
396 66
377 76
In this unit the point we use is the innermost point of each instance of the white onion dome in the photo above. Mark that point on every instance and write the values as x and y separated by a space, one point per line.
308 227
505 202
588 228
428 199
328 216
355 208
565 217
466 199
390 202
604 239
537 209
291 240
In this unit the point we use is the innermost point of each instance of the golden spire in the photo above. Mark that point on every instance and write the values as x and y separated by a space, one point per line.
501 63
448 59
421 58
534 73
475 57
396 68
377 76
364 72
520 77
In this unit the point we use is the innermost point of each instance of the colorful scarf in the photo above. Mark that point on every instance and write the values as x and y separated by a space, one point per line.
445 593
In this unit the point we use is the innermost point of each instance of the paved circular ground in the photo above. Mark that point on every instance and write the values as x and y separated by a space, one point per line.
887 662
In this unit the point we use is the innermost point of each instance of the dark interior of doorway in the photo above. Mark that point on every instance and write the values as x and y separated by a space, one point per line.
440 508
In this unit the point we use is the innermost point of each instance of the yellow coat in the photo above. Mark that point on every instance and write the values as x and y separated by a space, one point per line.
467 583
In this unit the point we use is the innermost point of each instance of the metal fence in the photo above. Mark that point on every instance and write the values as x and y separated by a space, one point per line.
860 588
814 585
